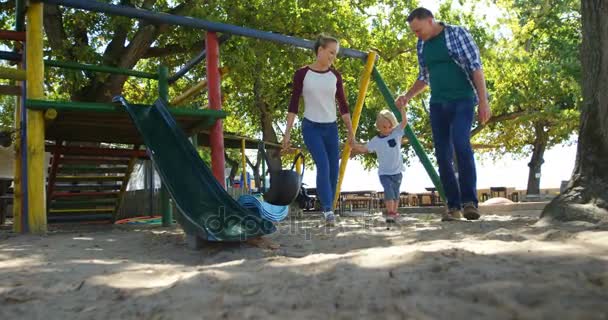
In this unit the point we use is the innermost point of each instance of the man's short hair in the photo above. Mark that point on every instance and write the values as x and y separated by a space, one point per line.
420 13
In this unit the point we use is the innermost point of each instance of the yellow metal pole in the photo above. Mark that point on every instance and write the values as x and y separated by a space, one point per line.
299 163
50 114
202 85
244 159
35 120
363 85
17 227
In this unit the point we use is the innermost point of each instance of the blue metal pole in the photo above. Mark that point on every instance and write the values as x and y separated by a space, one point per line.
194 61
163 18
10 56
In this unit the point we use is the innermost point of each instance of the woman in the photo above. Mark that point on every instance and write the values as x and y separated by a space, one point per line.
321 86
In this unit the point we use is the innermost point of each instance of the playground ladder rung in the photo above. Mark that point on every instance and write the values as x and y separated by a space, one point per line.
83 194
81 210
90 178
94 160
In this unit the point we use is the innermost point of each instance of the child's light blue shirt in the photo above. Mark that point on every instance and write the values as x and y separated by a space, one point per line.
388 150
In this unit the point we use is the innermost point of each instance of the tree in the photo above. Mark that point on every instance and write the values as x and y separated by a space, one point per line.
398 65
535 90
586 197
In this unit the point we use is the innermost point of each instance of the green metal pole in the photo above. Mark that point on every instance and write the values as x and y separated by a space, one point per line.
113 108
163 93
96 68
409 133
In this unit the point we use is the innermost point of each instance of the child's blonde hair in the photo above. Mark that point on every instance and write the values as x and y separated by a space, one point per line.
387 115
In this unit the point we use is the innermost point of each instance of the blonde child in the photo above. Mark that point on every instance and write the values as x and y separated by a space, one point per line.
387 146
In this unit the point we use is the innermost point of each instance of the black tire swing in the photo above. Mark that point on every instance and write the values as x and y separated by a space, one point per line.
285 185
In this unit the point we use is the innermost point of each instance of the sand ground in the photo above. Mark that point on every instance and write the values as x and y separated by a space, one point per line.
504 266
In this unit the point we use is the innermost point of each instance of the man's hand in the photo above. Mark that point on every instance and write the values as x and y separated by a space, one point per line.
484 111
402 101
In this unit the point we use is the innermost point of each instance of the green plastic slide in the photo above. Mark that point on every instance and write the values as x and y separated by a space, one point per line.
205 208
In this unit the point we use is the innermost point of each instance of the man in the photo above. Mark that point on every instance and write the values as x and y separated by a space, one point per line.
449 62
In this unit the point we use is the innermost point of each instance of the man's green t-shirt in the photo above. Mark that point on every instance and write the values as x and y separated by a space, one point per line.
447 80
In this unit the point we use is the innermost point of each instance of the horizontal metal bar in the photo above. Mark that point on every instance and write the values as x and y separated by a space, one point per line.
12 74
12 35
114 108
91 151
96 68
10 56
163 18
10 90
13 56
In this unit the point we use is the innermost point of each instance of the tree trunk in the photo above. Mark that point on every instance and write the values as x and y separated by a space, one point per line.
256 169
268 133
234 168
538 152
586 197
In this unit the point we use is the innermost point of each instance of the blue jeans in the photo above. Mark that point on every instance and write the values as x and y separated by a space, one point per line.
321 139
451 124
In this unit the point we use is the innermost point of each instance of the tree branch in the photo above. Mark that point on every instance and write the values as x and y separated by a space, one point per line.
116 47
394 55
8 5
500 118
53 27
156 52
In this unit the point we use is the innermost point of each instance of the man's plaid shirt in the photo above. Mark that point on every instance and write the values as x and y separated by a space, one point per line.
462 49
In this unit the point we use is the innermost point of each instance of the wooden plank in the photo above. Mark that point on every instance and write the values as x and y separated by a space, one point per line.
53 170
83 194
91 187
82 167
78 202
77 171
95 160
81 210
91 151
89 178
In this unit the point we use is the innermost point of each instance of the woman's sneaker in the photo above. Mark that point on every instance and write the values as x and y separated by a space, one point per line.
330 218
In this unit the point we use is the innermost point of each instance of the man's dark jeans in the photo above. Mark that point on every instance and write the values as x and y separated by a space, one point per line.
451 124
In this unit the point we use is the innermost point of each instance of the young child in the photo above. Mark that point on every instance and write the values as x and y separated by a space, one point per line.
387 146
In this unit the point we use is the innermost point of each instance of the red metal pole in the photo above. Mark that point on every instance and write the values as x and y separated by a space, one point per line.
216 136
12 35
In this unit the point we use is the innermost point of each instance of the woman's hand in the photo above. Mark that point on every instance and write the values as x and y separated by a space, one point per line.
351 138
286 143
